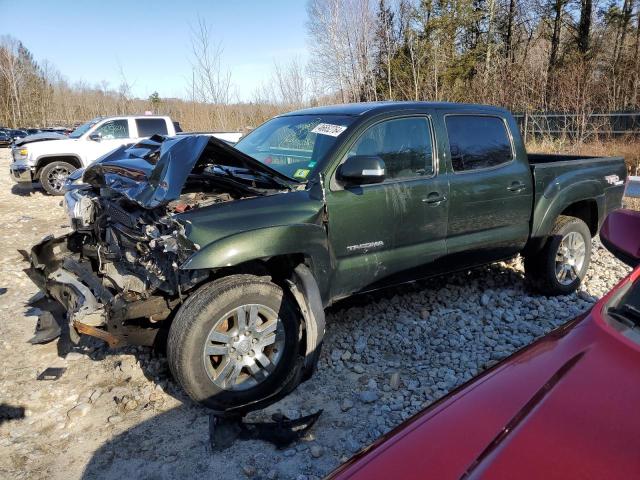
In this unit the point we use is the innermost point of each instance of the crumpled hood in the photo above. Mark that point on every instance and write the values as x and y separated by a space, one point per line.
40 137
154 171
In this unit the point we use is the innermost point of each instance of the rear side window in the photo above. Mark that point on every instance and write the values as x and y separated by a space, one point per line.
151 126
477 142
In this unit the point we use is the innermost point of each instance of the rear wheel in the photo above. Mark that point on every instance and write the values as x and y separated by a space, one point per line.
562 263
234 341
54 175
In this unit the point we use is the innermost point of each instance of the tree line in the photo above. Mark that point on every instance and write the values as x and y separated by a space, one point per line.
579 56
534 55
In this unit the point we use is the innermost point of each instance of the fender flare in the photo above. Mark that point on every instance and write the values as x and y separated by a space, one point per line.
309 240
305 290
38 161
556 199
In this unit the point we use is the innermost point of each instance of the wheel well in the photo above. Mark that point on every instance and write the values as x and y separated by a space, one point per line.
75 161
278 267
585 210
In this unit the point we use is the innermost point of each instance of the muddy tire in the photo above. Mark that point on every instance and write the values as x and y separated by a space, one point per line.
53 176
559 267
234 341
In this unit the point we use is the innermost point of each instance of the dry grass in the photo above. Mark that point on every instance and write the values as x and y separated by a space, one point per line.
628 148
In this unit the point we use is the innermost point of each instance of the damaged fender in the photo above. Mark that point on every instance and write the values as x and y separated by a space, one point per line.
272 241
264 243
305 290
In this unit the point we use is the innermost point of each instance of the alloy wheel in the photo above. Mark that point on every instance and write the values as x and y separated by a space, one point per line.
57 177
570 258
244 347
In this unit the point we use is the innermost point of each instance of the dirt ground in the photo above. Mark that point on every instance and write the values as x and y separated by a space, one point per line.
117 414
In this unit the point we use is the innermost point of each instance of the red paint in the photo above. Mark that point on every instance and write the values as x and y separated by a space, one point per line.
586 425
620 234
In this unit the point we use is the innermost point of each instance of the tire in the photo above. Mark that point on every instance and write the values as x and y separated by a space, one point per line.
214 307
569 241
53 175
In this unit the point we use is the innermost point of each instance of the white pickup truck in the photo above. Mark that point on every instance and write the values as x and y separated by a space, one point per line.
50 161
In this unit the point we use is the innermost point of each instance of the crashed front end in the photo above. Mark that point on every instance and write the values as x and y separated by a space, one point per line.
118 275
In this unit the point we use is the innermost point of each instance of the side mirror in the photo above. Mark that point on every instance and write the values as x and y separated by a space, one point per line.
96 136
620 234
362 169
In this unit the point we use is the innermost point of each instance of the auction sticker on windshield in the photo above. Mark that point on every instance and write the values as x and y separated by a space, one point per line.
329 129
301 173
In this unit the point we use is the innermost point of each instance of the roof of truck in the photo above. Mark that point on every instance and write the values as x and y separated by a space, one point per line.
380 107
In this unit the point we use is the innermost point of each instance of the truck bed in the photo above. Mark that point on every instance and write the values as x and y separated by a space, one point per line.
597 179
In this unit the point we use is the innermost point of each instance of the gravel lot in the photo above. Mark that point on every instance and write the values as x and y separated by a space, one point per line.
117 414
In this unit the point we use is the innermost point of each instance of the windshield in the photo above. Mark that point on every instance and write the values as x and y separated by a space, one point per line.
82 129
294 145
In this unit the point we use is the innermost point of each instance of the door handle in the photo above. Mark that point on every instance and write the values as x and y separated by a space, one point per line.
434 198
516 187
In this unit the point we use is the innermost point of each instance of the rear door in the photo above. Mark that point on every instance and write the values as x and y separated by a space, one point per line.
491 188
378 230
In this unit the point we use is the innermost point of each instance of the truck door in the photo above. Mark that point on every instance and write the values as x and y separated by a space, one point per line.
491 189
112 134
381 229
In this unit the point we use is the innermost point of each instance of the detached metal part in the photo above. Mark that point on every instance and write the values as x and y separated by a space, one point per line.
47 329
91 308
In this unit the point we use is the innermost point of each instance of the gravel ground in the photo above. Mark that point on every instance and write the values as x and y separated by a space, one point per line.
118 414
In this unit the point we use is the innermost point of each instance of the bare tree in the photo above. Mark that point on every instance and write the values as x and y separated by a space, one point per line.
211 81
11 71
291 82
341 34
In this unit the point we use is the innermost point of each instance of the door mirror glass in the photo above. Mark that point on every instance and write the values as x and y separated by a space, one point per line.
95 136
620 234
362 169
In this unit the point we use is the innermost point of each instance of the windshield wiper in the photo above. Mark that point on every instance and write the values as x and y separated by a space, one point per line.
271 178
275 180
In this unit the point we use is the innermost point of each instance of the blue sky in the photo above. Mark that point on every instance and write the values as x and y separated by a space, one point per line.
151 39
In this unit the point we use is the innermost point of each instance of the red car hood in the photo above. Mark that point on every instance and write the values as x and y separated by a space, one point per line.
565 407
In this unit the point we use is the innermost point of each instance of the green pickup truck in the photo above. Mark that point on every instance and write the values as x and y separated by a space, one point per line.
229 255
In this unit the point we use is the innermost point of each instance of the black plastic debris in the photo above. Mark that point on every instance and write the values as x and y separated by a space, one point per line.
51 373
282 432
47 329
9 412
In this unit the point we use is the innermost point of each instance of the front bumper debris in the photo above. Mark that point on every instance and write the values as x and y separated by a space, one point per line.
91 309
47 329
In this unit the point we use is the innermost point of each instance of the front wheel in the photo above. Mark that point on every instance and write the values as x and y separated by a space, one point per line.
54 175
234 341
563 262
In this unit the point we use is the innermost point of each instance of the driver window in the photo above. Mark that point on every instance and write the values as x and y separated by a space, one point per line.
403 143
114 129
